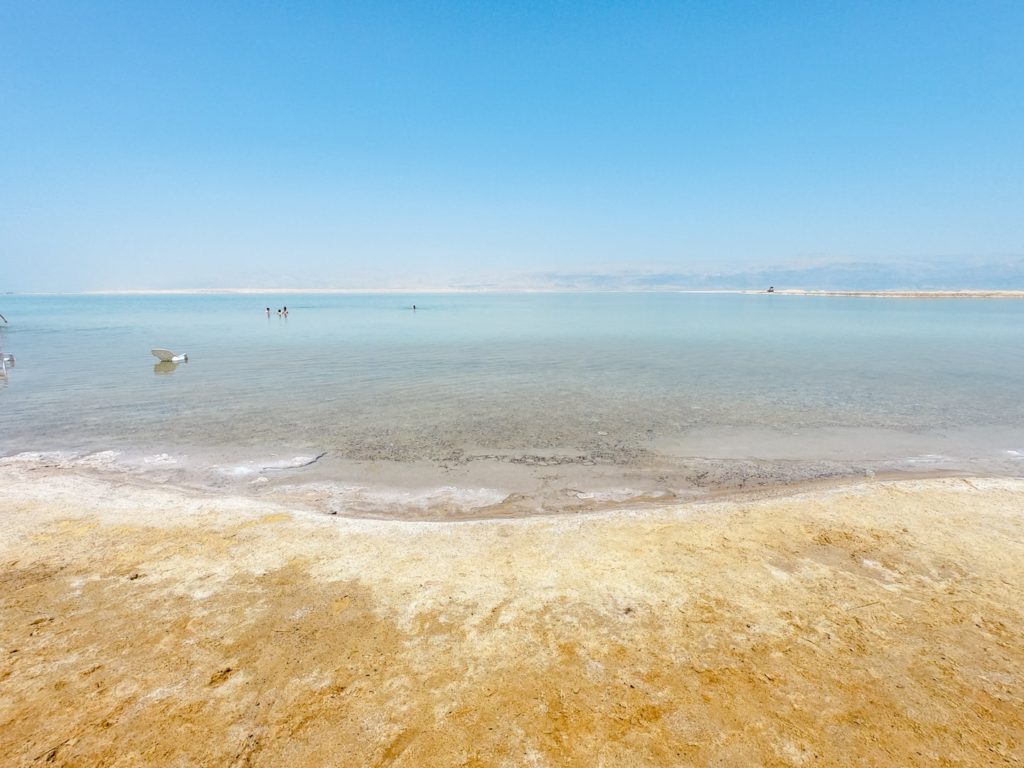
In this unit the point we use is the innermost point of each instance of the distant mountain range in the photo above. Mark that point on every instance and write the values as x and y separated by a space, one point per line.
965 275
849 276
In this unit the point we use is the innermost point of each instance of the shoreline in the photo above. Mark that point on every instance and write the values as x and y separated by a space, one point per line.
871 622
485 488
895 294
441 290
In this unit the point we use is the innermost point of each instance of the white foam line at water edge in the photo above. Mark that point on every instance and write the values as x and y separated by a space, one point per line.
159 459
341 497
64 459
616 494
461 498
928 458
253 468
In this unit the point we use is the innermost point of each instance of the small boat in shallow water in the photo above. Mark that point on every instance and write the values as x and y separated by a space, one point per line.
166 356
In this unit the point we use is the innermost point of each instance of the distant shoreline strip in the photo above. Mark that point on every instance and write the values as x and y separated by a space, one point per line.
889 294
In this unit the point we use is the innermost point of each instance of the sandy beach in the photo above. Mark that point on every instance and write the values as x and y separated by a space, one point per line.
870 624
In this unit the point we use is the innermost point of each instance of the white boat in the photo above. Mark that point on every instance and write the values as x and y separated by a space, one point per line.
166 356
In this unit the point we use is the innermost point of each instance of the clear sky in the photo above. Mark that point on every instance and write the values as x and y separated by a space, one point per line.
169 145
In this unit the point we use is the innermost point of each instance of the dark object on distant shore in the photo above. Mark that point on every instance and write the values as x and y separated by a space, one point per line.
771 289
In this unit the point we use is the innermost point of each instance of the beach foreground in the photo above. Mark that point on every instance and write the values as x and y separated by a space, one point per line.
873 624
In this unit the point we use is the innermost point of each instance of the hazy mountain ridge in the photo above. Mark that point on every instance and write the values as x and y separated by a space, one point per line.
849 276
995 275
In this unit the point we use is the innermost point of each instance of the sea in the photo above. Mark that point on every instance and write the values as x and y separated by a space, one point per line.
486 404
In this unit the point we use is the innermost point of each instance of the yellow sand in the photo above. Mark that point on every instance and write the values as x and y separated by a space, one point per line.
875 625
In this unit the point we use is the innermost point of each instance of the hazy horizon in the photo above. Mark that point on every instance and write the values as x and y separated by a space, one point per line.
998 275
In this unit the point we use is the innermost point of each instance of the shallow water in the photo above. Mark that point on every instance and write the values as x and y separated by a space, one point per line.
608 391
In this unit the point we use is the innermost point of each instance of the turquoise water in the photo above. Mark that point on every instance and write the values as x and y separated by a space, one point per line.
608 380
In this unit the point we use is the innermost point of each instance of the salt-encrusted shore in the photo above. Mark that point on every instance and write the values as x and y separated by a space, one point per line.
966 294
870 624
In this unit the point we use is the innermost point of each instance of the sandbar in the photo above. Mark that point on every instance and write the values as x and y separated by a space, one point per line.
964 294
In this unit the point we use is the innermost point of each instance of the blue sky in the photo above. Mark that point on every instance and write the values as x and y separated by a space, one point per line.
171 145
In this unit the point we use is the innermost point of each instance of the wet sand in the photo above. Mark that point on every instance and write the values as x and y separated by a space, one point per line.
871 624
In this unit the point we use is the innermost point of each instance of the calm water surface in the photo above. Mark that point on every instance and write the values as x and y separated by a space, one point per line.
608 380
